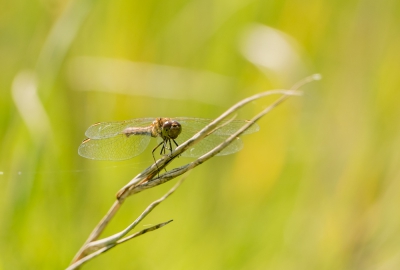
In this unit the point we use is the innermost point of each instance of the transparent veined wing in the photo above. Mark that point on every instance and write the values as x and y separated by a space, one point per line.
191 126
110 129
194 125
119 147
208 144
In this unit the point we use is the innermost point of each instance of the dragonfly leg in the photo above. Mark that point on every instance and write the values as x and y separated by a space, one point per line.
162 152
170 146
152 153
175 144
155 148
165 147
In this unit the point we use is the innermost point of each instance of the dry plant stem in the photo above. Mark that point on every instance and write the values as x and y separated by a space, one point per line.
97 247
114 238
110 246
98 229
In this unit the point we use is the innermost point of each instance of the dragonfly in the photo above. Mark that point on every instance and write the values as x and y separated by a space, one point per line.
126 139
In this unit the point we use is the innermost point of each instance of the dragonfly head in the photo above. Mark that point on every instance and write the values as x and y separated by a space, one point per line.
171 129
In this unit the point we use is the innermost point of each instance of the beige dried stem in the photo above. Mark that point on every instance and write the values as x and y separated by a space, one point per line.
147 179
98 247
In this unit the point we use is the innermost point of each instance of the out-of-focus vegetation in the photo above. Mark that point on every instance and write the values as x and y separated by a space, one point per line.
316 188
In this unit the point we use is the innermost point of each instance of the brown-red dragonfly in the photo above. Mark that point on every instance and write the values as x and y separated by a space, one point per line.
126 139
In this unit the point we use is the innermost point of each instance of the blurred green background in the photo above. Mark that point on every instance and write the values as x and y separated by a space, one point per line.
316 188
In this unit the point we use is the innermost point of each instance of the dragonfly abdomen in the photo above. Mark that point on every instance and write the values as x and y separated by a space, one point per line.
138 131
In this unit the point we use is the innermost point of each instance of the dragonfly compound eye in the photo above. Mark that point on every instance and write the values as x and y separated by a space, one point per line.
172 129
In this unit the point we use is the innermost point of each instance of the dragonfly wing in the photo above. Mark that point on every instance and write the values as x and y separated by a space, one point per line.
191 126
208 144
227 127
111 129
119 147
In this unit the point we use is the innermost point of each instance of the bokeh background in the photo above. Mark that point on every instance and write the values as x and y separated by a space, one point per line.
316 188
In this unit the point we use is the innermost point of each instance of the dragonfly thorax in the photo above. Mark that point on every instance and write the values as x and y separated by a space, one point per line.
166 128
